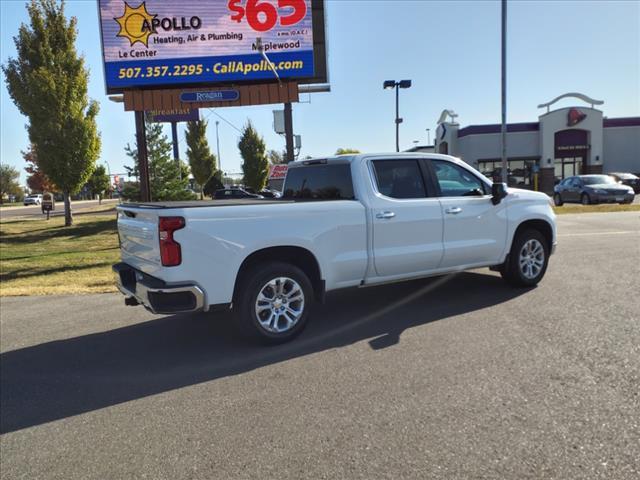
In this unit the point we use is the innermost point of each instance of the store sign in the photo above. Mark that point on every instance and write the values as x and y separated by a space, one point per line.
170 116
278 172
210 96
574 117
176 42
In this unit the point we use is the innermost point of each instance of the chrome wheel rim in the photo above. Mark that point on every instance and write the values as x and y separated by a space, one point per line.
531 259
279 305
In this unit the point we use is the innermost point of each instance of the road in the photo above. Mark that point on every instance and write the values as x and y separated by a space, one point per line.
459 377
36 211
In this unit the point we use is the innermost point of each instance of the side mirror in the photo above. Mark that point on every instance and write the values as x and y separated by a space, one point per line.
498 192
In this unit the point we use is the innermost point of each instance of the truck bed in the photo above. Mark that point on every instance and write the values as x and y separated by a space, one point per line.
204 203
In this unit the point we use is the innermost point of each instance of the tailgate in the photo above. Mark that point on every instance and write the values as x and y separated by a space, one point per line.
138 231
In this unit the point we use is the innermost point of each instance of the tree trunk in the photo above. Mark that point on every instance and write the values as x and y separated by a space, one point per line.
99 199
201 193
68 219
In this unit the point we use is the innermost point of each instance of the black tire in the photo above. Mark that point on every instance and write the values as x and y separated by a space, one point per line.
585 199
557 200
512 271
249 287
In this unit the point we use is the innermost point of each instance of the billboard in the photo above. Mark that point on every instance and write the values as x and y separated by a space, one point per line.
173 43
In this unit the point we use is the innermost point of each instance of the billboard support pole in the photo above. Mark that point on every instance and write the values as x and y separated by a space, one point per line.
143 161
288 131
174 138
176 152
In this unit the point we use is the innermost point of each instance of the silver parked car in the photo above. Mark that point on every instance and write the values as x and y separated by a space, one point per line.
588 189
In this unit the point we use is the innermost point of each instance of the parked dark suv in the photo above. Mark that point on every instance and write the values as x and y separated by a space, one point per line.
588 189
628 179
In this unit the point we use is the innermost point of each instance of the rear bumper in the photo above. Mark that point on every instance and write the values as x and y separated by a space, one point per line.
154 294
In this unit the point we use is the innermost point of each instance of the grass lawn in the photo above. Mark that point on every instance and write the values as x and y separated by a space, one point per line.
607 207
40 257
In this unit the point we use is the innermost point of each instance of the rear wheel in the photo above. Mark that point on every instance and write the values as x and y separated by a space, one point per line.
557 200
585 200
528 259
273 302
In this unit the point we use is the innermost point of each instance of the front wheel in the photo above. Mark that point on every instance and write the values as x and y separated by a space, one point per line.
528 259
557 200
273 302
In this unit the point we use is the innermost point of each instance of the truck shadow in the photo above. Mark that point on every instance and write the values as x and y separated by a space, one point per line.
59 379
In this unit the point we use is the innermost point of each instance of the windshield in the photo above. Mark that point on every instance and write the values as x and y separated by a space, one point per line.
598 180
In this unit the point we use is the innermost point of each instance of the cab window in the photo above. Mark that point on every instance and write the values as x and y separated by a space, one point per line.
455 181
399 178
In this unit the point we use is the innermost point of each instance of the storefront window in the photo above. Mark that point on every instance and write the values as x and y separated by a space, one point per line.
567 167
520 173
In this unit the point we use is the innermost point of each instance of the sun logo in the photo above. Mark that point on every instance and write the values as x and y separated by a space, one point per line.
134 24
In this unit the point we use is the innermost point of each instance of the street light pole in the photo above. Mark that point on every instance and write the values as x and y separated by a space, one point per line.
218 146
428 136
388 84
503 127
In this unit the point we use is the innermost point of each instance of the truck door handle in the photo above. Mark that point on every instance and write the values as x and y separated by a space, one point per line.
387 214
453 210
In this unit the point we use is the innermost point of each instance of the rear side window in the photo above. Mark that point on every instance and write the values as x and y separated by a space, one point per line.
456 181
399 178
319 182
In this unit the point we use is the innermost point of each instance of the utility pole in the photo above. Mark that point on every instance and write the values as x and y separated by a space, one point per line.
218 146
143 161
503 128
288 131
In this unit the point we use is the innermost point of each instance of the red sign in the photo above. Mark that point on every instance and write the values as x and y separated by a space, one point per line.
278 172
574 117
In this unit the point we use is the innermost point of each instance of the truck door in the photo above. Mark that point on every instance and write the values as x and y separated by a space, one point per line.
475 230
407 222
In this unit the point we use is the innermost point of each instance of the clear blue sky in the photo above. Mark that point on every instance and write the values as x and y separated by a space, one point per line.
451 51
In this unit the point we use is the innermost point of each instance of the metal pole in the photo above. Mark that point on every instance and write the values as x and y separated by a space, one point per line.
143 161
503 128
397 117
174 138
218 146
288 131
428 136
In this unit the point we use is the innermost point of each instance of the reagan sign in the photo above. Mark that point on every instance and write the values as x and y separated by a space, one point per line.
156 43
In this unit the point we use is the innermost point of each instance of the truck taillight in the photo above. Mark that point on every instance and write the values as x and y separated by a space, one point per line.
170 253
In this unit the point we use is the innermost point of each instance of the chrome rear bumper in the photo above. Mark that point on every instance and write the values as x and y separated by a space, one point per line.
155 295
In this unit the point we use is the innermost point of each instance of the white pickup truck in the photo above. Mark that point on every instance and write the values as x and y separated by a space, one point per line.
344 221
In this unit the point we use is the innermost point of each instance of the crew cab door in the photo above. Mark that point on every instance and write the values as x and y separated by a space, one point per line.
475 230
407 222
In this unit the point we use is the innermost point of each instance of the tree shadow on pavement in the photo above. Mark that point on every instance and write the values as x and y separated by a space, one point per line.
59 379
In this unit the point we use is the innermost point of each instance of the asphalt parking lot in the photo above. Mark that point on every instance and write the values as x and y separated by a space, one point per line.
457 377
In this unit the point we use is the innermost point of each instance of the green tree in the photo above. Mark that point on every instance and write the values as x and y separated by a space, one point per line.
48 83
275 157
168 179
346 151
214 183
201 160
99 182
8 181
255 165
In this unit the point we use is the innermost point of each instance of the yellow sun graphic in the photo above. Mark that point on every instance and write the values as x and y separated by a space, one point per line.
131 24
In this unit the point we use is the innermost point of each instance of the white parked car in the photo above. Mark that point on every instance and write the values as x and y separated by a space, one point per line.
34 199
346 221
